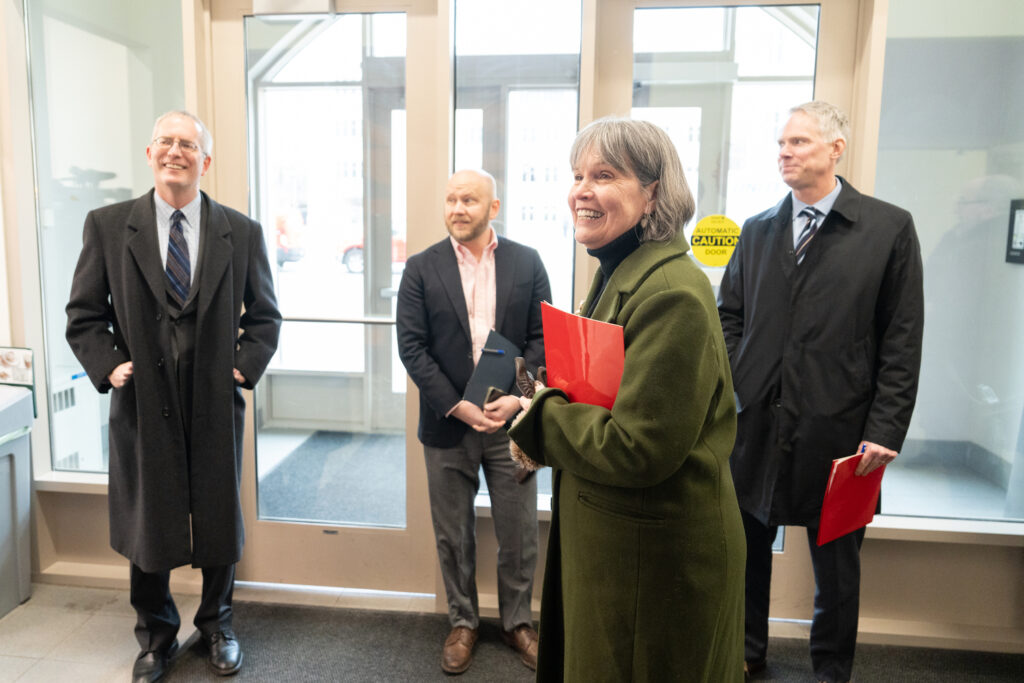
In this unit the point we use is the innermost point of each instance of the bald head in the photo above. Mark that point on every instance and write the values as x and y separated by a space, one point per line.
469 207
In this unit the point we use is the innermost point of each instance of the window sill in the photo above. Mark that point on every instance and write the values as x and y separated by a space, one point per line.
483 506
936 530
72 482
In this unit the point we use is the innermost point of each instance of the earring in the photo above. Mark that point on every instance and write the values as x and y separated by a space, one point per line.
644 220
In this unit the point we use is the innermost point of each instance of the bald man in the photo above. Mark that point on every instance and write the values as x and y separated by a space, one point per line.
452 295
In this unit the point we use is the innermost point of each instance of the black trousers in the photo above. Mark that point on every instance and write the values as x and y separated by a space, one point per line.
158 619
836 598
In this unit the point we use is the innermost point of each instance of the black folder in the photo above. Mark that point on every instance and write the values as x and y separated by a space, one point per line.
496 368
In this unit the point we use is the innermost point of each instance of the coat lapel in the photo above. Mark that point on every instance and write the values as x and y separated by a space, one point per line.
217 251
782 236
629 274
504 276
448 271
144 245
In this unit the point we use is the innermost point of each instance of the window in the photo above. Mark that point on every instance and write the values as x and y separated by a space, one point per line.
516 113
93 117
950 152
327 122
720 82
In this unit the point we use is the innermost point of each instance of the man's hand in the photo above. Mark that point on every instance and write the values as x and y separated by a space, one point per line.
120 375
874 457
502 409
475 418
239 377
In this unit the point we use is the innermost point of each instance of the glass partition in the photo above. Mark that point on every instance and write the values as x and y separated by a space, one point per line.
720 81
100 75
516 114
327 155
951 151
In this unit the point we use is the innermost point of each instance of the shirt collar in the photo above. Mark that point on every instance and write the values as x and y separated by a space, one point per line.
191 210
824 205
462 251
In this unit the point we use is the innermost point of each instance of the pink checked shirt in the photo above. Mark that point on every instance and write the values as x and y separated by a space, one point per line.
479 289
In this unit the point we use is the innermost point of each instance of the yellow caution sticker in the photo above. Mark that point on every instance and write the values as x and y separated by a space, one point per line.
713 240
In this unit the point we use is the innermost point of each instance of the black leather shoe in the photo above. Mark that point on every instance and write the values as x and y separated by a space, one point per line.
754 668
150 666
225 653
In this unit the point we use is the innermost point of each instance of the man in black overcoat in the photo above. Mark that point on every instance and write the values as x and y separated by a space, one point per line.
173 311
822 310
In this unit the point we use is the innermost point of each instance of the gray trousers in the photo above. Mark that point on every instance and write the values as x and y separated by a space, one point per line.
453 480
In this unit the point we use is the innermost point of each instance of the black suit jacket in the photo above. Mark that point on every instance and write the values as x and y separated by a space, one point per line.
434 339
823 354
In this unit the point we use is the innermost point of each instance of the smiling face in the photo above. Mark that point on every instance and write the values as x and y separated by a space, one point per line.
605 202
176 171
469 208
807 162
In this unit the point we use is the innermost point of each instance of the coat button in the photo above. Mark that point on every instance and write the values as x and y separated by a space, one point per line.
160 363
776 404
159 316
165 412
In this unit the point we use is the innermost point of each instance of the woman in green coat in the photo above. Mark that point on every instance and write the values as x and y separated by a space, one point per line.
645 563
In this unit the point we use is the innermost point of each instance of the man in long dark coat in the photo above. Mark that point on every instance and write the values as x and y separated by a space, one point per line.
822 309
156 318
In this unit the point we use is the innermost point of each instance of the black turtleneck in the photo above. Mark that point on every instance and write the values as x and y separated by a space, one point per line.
611 255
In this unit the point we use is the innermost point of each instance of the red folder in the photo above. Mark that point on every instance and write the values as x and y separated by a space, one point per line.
850 501
584 357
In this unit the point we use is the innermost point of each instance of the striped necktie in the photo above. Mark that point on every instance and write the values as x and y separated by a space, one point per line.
810 228
179 268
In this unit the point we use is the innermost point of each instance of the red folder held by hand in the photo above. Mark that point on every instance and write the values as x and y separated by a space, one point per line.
584 357
850 501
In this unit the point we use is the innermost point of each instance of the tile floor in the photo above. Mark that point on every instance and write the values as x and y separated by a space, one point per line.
72 634
85 635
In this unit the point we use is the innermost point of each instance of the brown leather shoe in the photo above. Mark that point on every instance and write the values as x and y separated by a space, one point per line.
523 639
458 650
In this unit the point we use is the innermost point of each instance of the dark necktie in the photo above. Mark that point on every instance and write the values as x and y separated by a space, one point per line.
810 228
179 268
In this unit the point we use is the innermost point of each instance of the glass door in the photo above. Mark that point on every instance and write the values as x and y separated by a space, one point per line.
327 165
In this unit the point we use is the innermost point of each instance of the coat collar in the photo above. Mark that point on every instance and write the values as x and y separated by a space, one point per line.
448 272
631 273
846 207
217 251
215 236
144 246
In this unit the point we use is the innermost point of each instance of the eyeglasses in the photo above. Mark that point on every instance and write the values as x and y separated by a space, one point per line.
183 145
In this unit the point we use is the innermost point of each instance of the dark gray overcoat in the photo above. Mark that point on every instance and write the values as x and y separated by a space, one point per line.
118 312
824 355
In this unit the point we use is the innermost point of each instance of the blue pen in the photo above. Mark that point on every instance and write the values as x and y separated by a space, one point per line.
500 352
863 447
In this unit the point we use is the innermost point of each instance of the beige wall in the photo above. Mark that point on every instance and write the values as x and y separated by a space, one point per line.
952 586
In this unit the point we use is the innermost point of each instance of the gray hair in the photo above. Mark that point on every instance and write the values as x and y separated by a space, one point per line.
832 122
642 149
205 139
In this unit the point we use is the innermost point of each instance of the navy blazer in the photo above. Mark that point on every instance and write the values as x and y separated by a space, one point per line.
434 340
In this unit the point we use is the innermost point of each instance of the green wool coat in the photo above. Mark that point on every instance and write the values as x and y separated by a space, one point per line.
645 565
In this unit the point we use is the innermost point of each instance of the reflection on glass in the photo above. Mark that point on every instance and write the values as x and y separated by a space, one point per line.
92 117
516 94
329 158
721 82
957 173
